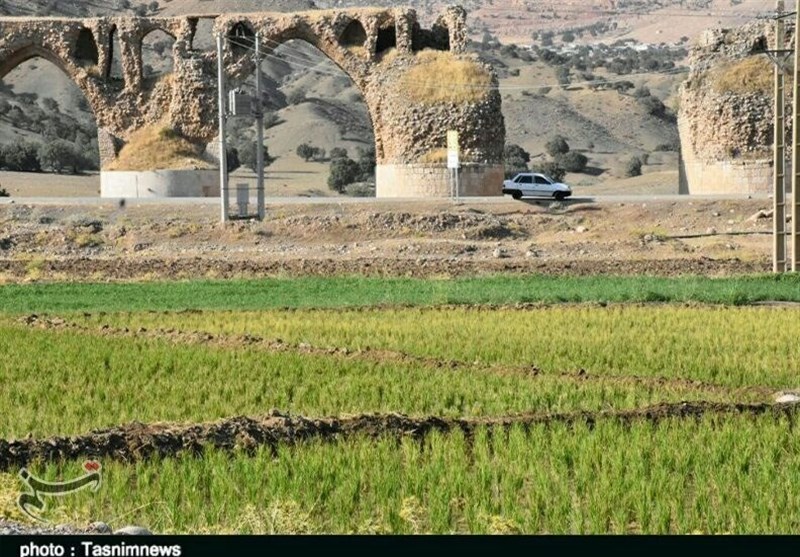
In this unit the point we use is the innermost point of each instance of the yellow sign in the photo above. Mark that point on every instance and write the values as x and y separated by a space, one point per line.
452 141
452 150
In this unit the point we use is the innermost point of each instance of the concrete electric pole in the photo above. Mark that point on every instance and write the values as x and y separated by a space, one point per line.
779 189
223 148
259 114
796 151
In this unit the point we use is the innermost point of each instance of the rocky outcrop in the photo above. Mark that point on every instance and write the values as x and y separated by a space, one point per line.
375 47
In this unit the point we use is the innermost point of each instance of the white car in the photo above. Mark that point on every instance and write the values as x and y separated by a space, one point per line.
535 185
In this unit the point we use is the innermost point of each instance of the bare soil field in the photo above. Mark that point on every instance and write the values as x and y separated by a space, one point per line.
425 239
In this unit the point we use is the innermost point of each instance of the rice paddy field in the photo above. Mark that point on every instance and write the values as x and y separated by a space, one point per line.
486 406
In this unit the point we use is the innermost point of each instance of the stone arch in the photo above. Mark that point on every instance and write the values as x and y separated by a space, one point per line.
155 49
35 51
50 117
241 37
354 35
387 37
75 75
280 48
85 50
202 34
113 63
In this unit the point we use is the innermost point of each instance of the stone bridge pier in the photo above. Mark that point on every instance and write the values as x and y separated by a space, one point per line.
417 83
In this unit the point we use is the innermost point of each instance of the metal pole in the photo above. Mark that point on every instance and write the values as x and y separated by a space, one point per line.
223 148
259 106
796 154
779 189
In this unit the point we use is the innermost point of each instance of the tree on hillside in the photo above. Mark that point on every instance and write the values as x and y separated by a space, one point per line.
21 156
344 171
338 153
562 74
60 156
366 163
557 146
247 155
634 167
572 161
305 151
516 159
552 169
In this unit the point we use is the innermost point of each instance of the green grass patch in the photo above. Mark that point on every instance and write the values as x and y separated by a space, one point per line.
734 346
68 383
713 475
338 292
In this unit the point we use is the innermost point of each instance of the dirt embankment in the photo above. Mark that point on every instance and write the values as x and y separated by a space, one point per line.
423 239
138 441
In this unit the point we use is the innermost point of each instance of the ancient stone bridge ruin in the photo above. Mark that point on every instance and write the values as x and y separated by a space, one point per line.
726 115
386 53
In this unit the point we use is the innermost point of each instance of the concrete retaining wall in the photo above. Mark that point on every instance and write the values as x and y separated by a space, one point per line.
726 177
160 183
432 180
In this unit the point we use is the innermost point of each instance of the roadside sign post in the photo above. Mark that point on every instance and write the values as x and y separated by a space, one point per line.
453 162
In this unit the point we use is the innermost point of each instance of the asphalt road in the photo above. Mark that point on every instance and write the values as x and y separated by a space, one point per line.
367 200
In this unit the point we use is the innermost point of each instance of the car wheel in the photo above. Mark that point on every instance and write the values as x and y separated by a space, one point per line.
517 195
559 195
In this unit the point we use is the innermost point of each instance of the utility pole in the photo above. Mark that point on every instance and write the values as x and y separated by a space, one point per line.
796 150
259 113
223 148
779 189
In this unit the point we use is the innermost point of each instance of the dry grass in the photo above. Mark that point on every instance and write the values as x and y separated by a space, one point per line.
751 75
439 77
434 156
159 147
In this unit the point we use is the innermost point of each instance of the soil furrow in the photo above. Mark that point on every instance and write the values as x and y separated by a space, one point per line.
137 441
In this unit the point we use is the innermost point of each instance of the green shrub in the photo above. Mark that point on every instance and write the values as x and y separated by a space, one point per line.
61 156
552 169
21 156
247 155
572 161
305 151
633 167
516 160
344 171
557 146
